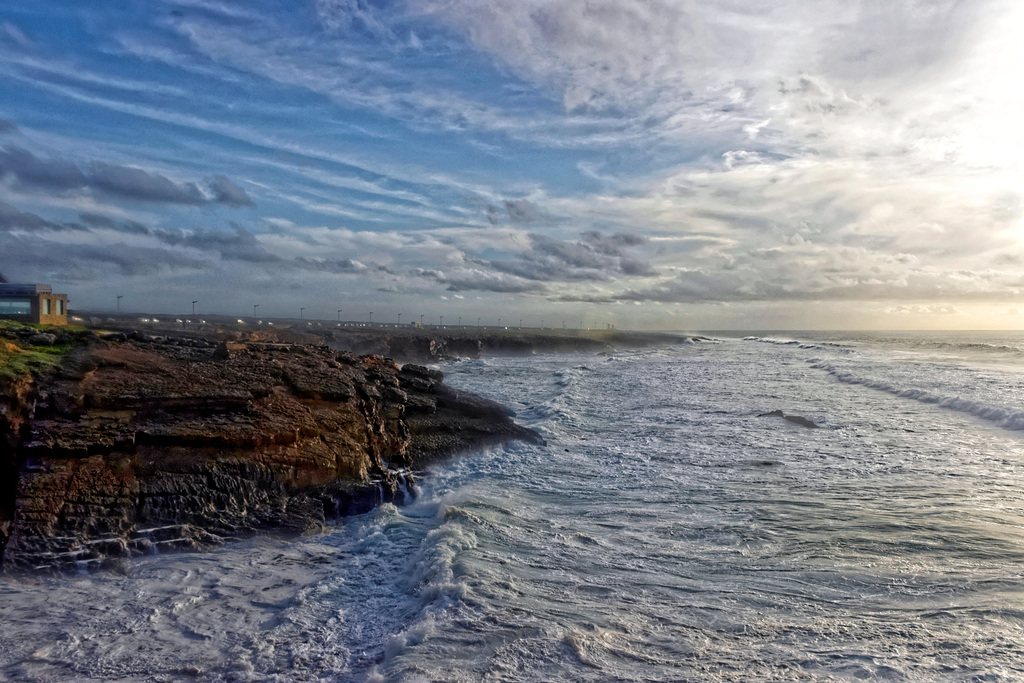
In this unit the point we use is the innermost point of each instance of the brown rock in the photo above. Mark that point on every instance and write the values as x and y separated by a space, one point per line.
147 443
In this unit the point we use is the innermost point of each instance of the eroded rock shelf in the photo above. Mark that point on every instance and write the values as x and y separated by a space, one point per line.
139 444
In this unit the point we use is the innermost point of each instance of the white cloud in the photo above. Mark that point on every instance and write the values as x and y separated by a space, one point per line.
770 150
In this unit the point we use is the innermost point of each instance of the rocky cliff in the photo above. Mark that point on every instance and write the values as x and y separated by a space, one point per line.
138 444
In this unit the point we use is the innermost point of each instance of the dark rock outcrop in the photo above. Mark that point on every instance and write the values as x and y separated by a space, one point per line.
430 347
142 443
795 419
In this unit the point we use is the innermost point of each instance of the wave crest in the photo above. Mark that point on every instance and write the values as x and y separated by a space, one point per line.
1003 417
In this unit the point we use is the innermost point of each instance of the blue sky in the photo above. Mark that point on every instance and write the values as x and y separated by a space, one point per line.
650 163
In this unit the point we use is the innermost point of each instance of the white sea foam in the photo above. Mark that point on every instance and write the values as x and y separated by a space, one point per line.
664 533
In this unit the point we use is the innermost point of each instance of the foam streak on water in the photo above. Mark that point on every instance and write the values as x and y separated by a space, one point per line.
664 533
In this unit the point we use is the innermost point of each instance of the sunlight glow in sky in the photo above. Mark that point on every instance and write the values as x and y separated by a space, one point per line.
650 163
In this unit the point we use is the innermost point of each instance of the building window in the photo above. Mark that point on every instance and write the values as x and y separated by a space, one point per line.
60 306
15 307
46 307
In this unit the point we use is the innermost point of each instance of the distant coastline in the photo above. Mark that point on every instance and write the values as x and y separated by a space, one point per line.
404 343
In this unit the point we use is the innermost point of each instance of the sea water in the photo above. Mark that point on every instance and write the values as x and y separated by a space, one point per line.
668 530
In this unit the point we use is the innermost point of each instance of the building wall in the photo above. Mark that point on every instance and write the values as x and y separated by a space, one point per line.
58 309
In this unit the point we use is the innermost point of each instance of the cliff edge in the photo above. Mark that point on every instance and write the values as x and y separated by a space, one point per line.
137 444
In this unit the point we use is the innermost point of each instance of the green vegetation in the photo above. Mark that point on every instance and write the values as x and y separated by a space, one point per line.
18 358
35 360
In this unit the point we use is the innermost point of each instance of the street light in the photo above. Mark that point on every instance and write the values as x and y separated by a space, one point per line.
339 314
460 321
441 322
399 319
520 323
371 317
301 311
254 307
478 322
119 297
194 306
421 321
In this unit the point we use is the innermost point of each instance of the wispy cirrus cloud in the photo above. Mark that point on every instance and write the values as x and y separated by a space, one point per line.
544 153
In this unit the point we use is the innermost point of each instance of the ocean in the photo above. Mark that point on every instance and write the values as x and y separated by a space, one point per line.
669 530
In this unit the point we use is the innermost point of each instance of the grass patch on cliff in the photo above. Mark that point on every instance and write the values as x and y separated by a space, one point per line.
18 359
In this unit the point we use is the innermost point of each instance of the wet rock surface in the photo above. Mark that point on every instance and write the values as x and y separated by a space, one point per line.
795 419
143 443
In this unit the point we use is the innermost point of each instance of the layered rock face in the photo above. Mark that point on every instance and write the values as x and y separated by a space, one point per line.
143 444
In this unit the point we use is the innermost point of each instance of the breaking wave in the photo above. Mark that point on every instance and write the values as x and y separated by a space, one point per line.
1002 417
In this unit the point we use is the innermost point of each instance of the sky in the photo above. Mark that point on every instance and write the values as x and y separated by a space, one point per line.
651 164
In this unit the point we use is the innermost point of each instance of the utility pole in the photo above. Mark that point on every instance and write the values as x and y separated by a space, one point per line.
119 297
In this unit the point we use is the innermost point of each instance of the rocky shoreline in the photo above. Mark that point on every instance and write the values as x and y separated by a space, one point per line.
137 443
412 344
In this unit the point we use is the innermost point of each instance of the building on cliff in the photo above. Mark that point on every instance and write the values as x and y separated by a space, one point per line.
32 303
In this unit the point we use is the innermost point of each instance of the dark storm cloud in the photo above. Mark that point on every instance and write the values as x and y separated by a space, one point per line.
613 245
13 219
595 257
517 210
95 220
227 192
30 170
521 211
33 172
96 261
134 183
238 244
